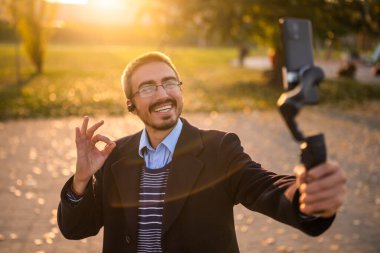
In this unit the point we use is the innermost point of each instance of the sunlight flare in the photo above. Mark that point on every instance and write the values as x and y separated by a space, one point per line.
82 2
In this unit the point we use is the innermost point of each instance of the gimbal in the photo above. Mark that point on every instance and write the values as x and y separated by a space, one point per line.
301 81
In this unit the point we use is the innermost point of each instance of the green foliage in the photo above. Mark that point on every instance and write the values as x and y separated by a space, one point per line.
32 20
84 80
243 20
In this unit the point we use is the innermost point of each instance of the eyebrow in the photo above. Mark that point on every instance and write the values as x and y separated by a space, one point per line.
154 82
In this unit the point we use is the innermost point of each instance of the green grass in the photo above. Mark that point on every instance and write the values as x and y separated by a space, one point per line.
85 80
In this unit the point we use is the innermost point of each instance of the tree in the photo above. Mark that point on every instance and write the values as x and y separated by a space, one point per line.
359 17
13 17
32 20
234 22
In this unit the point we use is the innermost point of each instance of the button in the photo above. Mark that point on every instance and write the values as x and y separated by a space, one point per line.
128 239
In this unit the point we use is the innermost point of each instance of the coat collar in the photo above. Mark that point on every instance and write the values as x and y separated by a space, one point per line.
126 175
184 171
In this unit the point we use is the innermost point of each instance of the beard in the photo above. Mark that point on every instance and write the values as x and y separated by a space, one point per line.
166 122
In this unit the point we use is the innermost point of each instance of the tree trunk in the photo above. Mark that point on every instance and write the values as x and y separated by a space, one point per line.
39 65
17 62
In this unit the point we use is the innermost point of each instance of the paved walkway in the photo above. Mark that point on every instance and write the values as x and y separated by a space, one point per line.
38 156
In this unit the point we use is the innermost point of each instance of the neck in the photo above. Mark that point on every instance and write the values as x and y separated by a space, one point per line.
157 136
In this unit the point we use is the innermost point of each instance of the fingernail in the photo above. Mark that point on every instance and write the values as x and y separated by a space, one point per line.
302 198
302 188
298 170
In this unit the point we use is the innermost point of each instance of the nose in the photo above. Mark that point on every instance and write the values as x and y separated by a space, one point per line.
161 92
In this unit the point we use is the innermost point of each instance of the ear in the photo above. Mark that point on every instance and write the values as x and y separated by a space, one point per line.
131 107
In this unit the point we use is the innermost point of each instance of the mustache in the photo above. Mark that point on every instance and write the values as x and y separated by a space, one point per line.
162 101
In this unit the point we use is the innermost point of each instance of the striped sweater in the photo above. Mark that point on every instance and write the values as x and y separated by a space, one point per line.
151 202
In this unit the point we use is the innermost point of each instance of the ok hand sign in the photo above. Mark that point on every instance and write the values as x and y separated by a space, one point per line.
89 158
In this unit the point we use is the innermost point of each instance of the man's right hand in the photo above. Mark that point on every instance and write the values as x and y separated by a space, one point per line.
89 158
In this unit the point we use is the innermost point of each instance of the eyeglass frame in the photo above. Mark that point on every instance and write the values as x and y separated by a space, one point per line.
179 83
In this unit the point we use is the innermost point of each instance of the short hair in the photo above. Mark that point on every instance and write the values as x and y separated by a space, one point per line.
138 62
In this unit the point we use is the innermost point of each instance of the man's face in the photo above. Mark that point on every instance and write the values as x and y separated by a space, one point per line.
161 110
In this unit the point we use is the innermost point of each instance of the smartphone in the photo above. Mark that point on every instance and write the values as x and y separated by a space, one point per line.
297 42
299 66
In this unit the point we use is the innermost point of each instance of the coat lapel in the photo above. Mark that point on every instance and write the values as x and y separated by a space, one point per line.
126 175
184 171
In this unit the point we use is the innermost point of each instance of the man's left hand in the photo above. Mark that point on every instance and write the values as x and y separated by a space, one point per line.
322 189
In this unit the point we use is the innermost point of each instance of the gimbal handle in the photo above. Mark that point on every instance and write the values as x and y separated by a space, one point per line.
313 151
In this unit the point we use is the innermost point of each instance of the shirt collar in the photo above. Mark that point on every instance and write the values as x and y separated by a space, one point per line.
169 142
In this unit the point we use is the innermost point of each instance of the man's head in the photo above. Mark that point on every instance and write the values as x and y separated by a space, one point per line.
152 87
139 61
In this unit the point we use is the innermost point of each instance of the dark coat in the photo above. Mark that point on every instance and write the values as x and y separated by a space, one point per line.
209 174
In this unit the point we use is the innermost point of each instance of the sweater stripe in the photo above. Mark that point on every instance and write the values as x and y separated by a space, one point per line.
151 202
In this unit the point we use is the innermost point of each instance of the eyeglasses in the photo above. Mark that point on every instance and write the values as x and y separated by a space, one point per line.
148 89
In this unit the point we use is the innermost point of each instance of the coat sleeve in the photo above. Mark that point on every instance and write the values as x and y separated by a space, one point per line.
263 191
85 218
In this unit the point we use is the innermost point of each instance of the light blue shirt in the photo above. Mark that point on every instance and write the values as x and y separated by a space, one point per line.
163 154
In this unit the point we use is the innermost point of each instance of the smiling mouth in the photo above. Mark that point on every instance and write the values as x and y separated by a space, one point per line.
164 108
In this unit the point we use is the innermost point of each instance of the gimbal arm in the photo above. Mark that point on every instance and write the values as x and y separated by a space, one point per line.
313 148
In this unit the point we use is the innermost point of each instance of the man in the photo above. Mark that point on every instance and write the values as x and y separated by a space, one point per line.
172 187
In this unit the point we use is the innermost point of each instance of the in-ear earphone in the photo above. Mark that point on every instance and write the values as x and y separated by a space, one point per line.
131 107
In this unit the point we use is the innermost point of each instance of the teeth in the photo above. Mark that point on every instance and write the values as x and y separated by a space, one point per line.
163 109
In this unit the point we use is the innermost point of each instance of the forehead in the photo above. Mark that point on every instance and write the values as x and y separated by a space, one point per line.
152 71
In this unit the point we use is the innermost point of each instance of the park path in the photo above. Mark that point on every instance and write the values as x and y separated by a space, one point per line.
38 156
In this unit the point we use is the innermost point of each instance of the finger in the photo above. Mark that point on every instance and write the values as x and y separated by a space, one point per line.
327 214
84 125
322 170
300 173
329 206
90 132
108 149
77 134
78 137
322 184
102 138
322 195
324 205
